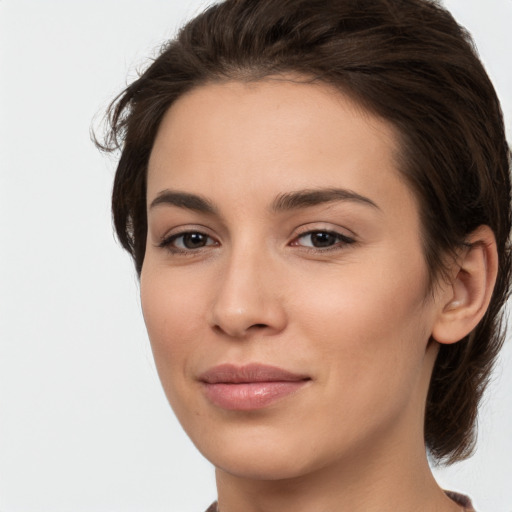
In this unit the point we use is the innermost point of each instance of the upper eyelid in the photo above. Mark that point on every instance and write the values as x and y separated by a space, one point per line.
175 236
329 231
344 238
167 242
183 230
313 227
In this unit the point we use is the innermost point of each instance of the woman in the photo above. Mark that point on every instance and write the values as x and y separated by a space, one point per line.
316 196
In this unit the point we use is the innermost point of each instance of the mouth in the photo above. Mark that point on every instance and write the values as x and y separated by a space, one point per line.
250 387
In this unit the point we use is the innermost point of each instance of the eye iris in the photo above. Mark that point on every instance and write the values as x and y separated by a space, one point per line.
194 240
323 239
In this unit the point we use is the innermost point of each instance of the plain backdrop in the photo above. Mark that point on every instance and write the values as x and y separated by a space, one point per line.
84 425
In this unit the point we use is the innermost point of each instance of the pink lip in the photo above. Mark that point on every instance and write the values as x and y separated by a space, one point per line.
250 387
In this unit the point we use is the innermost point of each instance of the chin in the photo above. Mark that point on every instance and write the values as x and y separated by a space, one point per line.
266 467
263 456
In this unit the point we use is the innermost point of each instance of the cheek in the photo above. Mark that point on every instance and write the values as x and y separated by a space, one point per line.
374 324
171 306
368 333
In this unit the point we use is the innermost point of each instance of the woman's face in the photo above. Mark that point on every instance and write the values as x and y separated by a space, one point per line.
284 287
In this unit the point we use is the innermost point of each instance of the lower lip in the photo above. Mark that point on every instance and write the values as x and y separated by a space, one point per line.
248 396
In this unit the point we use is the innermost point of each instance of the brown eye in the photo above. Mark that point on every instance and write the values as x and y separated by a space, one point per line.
189 241
323 239
194 240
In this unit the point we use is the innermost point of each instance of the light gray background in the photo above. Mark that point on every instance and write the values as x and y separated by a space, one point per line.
84 425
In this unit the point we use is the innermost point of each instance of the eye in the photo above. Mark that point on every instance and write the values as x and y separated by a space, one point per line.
188 241
322 239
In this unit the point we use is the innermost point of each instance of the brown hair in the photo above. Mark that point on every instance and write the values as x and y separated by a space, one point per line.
407 61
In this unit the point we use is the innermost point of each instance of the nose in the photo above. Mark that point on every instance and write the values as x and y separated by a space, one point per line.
248 299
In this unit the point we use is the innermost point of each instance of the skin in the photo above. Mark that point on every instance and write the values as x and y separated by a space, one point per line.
355 315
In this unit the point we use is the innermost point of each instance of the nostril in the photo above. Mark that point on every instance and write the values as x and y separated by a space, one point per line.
237 331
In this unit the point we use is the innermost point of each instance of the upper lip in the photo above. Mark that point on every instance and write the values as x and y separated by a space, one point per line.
254 372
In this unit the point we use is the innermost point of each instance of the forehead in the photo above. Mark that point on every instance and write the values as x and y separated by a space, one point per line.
275 133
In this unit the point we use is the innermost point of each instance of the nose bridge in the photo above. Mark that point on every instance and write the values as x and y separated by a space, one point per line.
247 297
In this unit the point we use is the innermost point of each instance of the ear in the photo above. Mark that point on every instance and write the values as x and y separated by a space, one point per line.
465 299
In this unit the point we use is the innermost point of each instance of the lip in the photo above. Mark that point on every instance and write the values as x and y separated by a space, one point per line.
250 387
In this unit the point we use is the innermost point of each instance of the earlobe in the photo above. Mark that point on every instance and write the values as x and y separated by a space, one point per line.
467 297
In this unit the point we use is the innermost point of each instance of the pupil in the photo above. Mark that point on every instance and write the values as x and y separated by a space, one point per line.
194 240
323 239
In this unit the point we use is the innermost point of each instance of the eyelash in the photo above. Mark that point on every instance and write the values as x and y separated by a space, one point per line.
167 243
341 242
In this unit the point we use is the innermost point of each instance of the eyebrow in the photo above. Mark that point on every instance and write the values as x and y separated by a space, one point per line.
313 197
184 200
283 202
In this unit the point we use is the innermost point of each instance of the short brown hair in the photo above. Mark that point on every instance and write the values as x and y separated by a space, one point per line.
410 63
